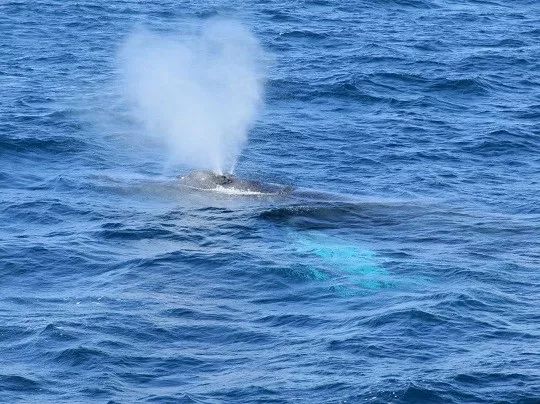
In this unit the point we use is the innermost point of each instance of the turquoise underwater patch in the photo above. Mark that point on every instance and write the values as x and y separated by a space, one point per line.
350 266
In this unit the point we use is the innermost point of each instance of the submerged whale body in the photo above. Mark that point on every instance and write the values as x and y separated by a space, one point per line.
227 183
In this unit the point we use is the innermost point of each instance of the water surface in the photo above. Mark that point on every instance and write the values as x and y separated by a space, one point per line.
404 269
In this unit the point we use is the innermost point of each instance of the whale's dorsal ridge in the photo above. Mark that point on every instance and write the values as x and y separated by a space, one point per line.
210 181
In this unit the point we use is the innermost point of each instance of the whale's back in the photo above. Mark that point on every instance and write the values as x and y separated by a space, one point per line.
226 183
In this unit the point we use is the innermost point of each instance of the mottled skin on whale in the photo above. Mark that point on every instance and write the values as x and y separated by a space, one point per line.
210 181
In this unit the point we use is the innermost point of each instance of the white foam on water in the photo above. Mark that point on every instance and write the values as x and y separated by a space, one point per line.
229 190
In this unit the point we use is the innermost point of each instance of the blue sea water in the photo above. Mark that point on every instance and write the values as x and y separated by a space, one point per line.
406 270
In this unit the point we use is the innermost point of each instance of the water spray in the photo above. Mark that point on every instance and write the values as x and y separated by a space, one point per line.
198 93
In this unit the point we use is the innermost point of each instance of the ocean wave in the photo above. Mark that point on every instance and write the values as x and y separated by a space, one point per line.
348 89
469 86
500 143
56 145
303 34
123 233
81 356
421 4
19 384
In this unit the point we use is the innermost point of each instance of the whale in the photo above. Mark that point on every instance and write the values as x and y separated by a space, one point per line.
205 180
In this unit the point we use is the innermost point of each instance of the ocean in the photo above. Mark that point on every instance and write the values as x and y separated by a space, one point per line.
401 266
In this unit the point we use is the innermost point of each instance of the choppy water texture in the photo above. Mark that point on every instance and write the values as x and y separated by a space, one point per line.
404 268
